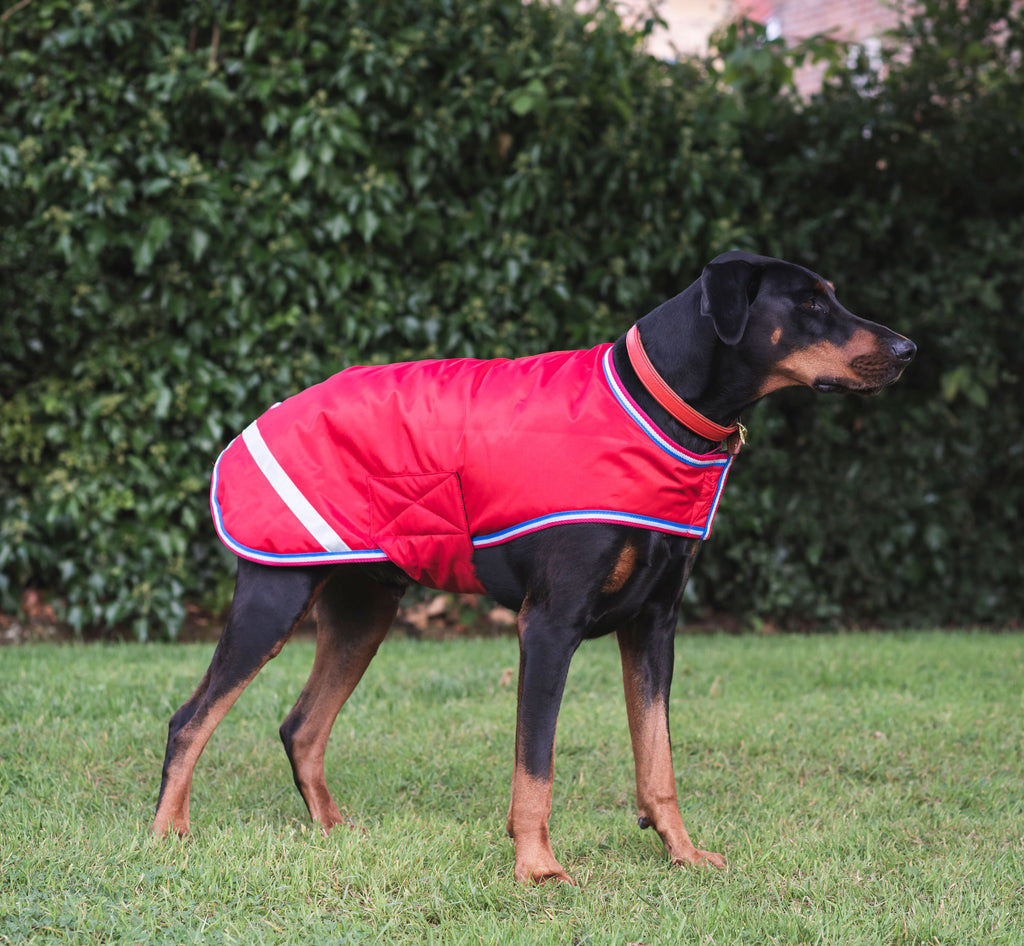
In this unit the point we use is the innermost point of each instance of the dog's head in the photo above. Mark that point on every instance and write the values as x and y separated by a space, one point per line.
786 325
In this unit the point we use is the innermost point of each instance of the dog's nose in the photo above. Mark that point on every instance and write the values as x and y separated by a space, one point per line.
903 350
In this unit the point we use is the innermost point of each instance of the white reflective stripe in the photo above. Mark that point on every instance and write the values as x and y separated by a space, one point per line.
290 494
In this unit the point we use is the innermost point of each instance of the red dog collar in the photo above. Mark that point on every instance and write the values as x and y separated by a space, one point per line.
672 402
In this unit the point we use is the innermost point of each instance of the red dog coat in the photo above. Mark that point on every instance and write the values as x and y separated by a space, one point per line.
420 463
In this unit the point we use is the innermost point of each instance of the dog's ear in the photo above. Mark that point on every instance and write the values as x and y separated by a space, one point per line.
727 289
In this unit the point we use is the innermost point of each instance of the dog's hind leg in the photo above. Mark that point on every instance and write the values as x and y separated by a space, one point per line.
353 616
268 604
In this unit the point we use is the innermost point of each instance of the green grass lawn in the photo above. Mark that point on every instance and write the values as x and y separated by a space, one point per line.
865 788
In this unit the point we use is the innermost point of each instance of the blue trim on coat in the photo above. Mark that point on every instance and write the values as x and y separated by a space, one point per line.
589 515
647 425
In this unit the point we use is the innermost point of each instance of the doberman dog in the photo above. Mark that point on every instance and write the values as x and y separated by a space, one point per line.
748 326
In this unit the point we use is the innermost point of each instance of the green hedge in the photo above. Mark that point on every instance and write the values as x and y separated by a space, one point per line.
204 208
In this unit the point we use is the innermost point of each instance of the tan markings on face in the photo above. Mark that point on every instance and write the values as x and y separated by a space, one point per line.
776 335
857 361
822 284
619 575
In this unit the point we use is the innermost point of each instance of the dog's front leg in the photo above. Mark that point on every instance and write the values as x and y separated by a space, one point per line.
647 649
545 650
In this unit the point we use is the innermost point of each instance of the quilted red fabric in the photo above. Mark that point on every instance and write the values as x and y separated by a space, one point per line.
422 462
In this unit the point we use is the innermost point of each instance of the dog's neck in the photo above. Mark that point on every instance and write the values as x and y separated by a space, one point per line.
686 352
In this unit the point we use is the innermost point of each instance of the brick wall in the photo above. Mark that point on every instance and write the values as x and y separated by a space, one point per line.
858 21
843 19
689 22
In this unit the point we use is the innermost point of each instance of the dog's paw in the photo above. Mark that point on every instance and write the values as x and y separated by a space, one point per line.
546 876
546 870
163 828
697 858
328 823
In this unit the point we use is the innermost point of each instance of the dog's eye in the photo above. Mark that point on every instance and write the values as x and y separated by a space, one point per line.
812 305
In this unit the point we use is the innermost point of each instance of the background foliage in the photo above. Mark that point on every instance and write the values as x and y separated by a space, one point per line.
206 207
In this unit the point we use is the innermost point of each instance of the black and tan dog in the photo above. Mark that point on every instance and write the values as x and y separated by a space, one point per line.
749 326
